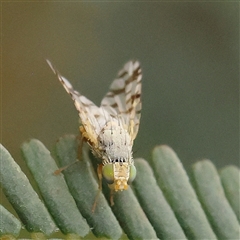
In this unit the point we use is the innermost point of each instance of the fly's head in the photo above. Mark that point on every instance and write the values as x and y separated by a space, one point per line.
119 174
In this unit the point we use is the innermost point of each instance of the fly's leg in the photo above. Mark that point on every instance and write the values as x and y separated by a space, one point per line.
111 197
99 173
79 156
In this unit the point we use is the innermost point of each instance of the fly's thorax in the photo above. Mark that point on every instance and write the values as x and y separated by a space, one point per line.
114 144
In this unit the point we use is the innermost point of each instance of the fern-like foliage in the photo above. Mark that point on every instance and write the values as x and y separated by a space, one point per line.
162 203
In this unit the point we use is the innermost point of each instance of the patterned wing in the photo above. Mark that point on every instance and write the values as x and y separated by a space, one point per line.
92 117
123 101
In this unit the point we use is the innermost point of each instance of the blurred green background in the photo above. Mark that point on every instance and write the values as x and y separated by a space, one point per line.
189 52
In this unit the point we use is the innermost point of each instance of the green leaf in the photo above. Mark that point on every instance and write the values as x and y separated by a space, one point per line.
8 223
182 198
213 199
162 203
230 177
154 203
84 188
54 189
23 198
131 216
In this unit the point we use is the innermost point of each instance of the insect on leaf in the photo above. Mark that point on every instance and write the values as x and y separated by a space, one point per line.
111 128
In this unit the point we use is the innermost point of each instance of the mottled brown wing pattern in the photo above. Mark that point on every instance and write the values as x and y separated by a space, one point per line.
123 101
92 117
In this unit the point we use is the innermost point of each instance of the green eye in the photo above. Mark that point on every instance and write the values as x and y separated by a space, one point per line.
132 174
107 172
